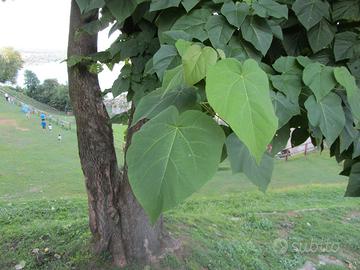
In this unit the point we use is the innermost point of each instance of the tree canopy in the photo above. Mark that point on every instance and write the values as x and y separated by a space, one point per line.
10 64
50 92
262 66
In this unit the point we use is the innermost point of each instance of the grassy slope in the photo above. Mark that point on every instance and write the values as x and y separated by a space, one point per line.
32 102
227 225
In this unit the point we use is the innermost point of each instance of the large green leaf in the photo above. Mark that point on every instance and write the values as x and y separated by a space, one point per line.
241 50
182 46
354 67
171 157
193 23
163 4
346 45
310 12
120 85
349 133
288 65
219 31
321 35
173 78
122 9
172 36
346 80
289 82
326 114
284 108
257 31
235 13
356 152
157 101
276 29
87 5
239 93
346 10
320 79
196 62
242 161
189 4
304 60
270 8
165 58
353 188
166 20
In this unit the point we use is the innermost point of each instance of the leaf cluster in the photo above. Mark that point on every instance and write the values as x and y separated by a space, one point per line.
226 78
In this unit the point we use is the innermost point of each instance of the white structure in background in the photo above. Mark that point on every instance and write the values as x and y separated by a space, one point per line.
289 150
119 104
306 146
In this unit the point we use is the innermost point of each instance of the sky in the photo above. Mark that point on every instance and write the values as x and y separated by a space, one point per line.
34 24
42 25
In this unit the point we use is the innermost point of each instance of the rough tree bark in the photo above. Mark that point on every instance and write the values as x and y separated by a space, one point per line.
118 223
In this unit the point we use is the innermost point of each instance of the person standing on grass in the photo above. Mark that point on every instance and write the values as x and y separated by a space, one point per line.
7 97
43 120
50 127
43 124
59 138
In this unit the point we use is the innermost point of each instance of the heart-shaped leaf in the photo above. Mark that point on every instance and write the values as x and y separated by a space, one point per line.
326 114
171 157
242 161
320 79
239 93
196 62
346 80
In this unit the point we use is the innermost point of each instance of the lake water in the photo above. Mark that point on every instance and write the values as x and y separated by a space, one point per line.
57 70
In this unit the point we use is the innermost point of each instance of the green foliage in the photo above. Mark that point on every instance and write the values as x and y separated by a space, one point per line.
158 100
261 66
194 23
321 35
50 92
310 12
184 145
326 114
320 79
242 161
31 82
258 32
196 62
219 31
243 102
346 45
346 80
235 13
88 5
10 64
353 188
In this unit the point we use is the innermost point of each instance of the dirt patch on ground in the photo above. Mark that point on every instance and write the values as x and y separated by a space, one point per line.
12 123
352 216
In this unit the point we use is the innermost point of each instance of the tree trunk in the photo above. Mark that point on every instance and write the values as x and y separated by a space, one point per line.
118 223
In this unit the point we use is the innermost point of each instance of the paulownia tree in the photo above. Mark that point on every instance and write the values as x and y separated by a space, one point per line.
260 67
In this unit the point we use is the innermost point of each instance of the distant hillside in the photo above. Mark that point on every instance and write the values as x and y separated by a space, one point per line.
42 57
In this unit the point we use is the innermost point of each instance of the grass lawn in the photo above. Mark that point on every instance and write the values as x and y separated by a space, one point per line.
228 224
